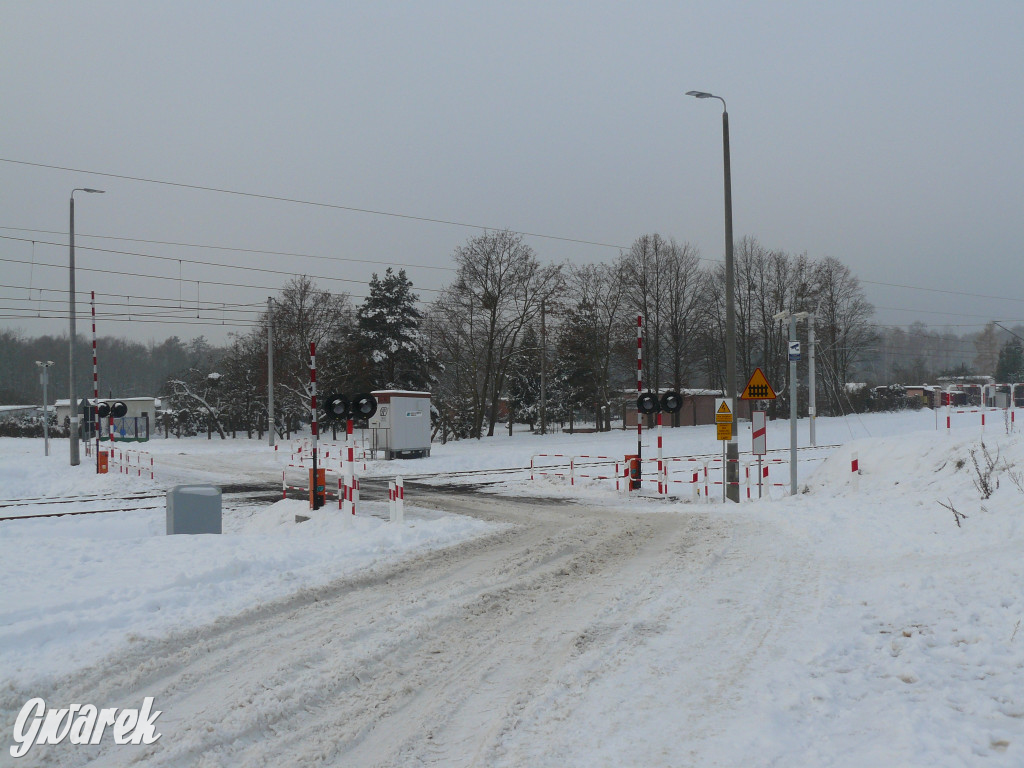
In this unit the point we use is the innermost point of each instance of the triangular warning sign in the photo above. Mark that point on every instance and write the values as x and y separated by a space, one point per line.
724 409
758 388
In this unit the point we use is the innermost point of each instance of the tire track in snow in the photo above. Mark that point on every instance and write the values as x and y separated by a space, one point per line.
432 661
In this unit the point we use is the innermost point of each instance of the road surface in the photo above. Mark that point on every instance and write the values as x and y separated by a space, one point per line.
484 653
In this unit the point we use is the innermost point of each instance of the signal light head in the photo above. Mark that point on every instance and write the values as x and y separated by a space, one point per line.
336 407
118 409
671 402
647 403
364 406
103 410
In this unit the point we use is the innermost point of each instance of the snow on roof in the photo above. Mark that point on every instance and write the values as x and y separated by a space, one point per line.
154 400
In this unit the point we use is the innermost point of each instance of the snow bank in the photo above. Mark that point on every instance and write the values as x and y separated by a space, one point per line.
76 588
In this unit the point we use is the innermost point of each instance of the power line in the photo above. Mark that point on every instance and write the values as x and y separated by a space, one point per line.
160 277
297 201
189 307
64 291
191 261
229 248
207 323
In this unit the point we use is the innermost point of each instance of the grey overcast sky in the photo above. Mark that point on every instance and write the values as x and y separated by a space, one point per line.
885 134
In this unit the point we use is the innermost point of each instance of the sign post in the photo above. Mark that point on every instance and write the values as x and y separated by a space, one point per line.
758 388
759 434
723 423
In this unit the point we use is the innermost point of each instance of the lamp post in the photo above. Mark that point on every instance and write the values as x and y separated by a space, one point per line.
72 400
732 475
44 377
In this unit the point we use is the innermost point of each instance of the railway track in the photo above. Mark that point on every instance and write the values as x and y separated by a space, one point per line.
260 492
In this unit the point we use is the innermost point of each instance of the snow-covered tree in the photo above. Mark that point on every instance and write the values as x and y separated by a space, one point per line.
387 336
524 380
1010 367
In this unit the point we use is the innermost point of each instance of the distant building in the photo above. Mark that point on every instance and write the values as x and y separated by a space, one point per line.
18 411
141 407
698 408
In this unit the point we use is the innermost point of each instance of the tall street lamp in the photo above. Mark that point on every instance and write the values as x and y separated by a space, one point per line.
73 402
732 450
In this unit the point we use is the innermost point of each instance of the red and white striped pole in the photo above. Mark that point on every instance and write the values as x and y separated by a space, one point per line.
313 423
639 391
400 501
95 382
350 460
662 486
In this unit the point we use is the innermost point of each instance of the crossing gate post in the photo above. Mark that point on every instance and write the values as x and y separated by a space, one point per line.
400 501
662 487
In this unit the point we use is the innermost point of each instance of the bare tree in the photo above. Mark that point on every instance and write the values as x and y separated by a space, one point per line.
600 312
304 314
686 289
644 269
843 317
497 291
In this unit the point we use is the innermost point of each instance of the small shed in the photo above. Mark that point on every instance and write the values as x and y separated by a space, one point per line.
401 426
698 409
138 407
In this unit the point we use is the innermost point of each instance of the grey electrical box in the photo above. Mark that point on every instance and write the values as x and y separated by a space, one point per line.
193 509
401 426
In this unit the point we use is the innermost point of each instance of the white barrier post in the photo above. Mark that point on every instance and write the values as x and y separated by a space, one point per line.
400 501
392 512
855 469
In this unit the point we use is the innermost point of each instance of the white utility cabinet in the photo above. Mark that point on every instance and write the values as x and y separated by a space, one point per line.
401 426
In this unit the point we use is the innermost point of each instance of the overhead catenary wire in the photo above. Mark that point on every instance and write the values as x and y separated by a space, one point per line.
244 267
234 249
314 203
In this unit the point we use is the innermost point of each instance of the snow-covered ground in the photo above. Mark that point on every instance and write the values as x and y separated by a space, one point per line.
860 622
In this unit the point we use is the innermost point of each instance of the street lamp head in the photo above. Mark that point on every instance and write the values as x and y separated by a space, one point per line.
706 95
88 189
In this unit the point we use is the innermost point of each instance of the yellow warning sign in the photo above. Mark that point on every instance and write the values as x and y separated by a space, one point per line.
723 413
724 431
758 388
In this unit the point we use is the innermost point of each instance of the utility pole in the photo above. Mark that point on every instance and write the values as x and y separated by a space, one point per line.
44 377
270 370
73 336
793 358
792 408
543 372
811 410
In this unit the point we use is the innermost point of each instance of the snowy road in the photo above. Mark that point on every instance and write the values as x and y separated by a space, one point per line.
480 654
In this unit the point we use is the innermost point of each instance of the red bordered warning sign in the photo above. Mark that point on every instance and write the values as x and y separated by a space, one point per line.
758 388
